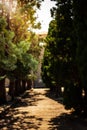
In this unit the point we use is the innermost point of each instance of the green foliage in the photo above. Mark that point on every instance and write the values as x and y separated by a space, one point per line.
65 59
49 56
28 10
15 37
59 39
34 46
59 64
14 57
80 22
25 61
3 24
7 60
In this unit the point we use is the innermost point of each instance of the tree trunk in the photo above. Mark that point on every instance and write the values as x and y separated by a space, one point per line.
17 87
11 88
58 91
2 91
23 86
29 84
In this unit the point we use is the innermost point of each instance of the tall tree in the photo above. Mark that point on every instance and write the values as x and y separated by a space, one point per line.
59 38
49 59
61 67
66 46
80 22
23 14
7 59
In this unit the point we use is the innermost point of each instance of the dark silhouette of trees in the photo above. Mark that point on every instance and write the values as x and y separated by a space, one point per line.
64 63
79 8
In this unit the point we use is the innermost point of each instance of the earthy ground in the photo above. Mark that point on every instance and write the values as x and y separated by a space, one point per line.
39 110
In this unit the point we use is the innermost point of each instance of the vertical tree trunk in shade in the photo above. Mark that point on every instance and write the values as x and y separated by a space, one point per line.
29 84
17 87
11 88
23 87
58 91
2 91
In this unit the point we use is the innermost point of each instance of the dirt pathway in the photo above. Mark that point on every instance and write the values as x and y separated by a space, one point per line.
38 111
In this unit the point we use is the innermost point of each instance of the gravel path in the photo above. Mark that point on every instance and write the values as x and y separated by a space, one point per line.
37 110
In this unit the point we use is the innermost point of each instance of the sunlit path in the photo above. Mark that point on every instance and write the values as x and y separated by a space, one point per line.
42 109
36 110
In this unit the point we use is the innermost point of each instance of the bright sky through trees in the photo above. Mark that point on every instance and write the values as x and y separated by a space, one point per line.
44 15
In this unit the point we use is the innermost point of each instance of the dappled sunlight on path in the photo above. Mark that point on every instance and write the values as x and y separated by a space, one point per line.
36 111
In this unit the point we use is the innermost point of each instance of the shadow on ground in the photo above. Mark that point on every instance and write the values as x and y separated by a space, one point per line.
53 96
67 122
13 119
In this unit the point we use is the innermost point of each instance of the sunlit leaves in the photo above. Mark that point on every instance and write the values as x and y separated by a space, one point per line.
7 60
16 40
3 24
